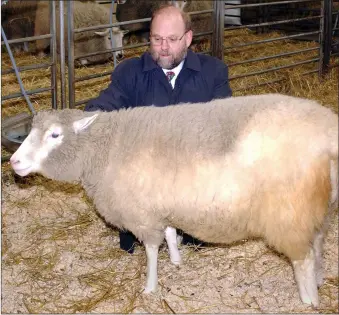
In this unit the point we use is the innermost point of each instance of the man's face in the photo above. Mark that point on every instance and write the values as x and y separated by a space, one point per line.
169 42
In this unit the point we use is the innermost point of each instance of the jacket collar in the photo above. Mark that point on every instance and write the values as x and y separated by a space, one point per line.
191 62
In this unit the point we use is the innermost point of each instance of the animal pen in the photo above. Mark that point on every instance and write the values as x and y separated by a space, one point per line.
59 257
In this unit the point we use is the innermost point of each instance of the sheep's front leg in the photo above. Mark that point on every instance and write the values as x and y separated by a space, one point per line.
305 275
152 268
172 243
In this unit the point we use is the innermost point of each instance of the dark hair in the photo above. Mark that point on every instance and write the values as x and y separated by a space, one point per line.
185 17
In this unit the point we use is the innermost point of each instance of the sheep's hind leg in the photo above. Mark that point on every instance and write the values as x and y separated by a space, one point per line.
318 253
172 243
305 275
152 268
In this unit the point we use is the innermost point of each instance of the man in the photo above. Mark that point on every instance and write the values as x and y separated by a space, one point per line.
168 74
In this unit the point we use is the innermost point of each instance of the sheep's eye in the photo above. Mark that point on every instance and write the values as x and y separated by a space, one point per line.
55 135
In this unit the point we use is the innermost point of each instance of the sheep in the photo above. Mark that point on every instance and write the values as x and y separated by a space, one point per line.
200 22
134 10
84 14
139 9
260 166
17 20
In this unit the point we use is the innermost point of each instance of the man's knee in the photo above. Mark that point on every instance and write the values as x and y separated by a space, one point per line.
127 241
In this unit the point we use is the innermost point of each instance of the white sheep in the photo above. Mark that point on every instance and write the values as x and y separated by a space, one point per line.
254 166
84 14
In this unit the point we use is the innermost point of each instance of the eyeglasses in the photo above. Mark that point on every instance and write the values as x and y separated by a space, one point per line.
171 40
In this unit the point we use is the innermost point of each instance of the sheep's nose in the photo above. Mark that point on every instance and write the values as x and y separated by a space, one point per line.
13 160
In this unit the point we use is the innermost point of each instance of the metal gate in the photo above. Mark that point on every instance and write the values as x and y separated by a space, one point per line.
259 18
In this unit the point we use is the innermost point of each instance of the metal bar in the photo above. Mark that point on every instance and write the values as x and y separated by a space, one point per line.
27 39
98 52
111 9
273 69
27 68
272 23
325 37
71 72
310 72
54 56
249 87
271 57
17 74
218 29
98 27
62 54
266 4
128 47
82 102
92 76
30 92
272 40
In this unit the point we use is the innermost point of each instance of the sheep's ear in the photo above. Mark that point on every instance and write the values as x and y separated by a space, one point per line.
83 123
104 33
124 32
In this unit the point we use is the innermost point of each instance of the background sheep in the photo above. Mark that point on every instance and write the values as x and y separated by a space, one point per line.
84 14
200 22
139 9
17 20
134 10
254 166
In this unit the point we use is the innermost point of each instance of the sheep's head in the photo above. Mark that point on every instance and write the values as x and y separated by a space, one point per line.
52 144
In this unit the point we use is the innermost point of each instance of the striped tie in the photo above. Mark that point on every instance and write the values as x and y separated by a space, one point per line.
170 75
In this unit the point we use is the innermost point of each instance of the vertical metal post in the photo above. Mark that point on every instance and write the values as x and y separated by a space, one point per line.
218 29
70 36
111 32
53 49
325 37
62 54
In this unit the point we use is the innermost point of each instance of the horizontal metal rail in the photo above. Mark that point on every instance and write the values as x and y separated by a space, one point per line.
272 23
128 47
98 27
272 40
310 72
271 82
272 57
82 102
249 87
30 92
26 68
93 76
228 7
27 39
273 69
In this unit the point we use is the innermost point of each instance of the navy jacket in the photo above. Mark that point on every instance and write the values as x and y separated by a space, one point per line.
141 82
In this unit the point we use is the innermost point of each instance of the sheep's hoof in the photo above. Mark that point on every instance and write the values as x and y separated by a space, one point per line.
310 298
149 290
176 262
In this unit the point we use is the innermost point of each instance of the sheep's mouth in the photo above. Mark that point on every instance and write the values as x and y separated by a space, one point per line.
22 171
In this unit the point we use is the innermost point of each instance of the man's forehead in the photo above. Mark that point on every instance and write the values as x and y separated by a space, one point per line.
166 18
